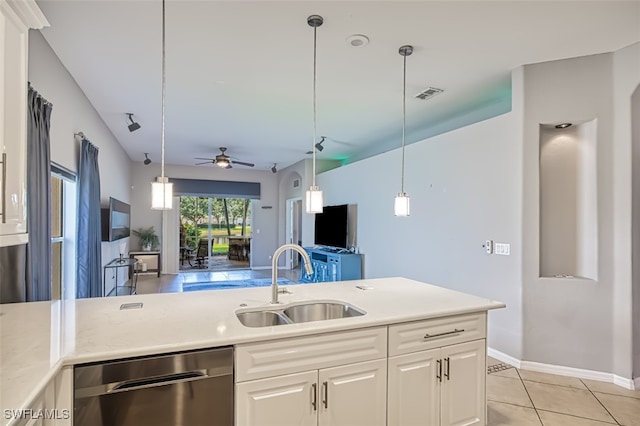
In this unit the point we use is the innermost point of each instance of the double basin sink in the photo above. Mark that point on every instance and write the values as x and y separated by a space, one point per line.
298 313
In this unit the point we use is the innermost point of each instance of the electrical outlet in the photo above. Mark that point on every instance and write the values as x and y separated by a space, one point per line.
488 246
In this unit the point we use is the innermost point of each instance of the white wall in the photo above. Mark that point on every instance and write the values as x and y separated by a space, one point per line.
264 222
465 188
72 112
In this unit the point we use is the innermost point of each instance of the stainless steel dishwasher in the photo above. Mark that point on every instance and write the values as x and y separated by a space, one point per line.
180 389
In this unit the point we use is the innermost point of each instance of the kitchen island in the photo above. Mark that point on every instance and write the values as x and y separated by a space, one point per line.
40 339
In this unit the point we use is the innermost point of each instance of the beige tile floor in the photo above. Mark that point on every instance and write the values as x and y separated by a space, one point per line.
515 397
522 398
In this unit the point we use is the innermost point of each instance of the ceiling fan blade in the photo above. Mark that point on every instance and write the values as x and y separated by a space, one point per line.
204 162
200 158
242 163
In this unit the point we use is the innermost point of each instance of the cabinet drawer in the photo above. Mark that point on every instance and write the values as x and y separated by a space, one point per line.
435 333
286 356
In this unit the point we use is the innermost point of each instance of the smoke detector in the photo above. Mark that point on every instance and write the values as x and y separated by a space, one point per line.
429 92
357 40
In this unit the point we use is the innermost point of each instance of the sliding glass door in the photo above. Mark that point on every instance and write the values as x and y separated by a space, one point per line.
215 233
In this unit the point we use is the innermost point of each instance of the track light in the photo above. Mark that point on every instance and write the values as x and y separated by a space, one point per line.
147 160
133 126
319 146
273 169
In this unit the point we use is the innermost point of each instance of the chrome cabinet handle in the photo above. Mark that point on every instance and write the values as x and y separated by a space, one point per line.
314 396
439 373
325 399
446 371
446 333
4 187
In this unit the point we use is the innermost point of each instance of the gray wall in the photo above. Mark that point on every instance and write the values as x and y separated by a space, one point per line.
465 188
72 112
572 322
635 108
265 221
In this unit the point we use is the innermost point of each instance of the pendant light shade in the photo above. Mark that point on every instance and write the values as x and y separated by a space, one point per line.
314 200
401 206
161 194
161 189
314 195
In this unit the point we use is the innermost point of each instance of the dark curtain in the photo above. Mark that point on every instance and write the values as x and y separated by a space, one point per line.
38 198
89 259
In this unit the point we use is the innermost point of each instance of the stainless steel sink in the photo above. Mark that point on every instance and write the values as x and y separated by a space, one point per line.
262 318
319 311
298 313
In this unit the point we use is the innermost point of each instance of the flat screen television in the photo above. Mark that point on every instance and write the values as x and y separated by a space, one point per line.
116 220
331 226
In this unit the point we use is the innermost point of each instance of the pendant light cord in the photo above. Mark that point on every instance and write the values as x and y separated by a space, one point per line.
313 145
404 114
163 93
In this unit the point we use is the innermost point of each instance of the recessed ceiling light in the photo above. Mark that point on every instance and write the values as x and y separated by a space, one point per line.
563 125
357 40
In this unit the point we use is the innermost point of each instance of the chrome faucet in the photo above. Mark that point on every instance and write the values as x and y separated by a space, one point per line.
274 267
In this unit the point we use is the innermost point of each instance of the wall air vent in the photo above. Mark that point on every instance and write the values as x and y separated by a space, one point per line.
429 92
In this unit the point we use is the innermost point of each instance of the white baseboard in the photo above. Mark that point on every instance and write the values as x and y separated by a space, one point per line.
260 267
501 356
565 371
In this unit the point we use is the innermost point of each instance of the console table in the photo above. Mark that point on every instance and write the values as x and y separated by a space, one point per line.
138 254
332 265
133 276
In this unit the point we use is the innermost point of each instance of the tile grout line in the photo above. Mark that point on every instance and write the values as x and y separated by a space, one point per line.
600 402
530 399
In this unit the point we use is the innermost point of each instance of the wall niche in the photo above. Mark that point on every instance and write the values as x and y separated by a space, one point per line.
568 200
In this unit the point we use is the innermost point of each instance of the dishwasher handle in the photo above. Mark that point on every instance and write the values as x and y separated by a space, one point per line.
129 385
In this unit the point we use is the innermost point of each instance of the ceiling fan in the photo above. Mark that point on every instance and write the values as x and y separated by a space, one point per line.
223 161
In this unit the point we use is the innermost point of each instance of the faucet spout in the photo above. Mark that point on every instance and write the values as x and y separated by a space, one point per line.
274 267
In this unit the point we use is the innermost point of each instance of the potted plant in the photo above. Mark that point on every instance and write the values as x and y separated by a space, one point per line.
148 238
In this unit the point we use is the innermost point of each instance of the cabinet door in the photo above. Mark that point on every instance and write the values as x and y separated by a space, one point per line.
13 129
463 384
278 401
353 394
414 389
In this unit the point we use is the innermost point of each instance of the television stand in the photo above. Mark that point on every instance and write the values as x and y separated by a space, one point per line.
331 264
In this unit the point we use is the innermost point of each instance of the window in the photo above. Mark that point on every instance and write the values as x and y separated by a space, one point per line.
63 231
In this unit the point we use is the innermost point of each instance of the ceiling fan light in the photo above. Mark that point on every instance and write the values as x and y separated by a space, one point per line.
161 194
402 205
222 164
314 200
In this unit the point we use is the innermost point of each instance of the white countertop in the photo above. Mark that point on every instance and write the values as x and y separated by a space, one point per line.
38 338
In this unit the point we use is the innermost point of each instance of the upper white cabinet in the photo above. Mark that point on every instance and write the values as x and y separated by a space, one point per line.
16 18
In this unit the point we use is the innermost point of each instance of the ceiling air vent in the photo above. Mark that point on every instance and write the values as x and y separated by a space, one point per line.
429 92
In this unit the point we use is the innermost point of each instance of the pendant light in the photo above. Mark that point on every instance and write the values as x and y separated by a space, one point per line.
401 206
161 189
314 195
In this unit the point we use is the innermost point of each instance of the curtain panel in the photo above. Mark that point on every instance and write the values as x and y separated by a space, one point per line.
38 198
89 249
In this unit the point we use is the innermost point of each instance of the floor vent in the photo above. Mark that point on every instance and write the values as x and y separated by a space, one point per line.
429 92
498 367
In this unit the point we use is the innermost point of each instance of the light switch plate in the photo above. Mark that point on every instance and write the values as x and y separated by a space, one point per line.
503 249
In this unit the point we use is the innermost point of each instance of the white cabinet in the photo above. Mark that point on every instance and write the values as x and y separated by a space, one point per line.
16 18
278 401
353 395
440 386
327 380
348 395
